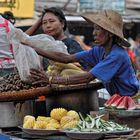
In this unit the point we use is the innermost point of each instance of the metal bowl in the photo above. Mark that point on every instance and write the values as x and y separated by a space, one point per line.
84 135
124 113
39 132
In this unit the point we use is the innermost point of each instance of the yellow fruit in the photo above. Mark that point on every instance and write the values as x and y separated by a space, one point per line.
50 128
68 66
50 67
53 121
29 123
65 120
53 72
40 125
71 124
73 114
43 118
58 113
53 125
55 66
28 117
68 72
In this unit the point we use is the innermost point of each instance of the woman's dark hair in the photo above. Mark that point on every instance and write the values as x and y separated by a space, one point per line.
9 16
57 12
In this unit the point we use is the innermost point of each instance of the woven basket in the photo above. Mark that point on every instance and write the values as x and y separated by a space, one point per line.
24 94
92 84
34 93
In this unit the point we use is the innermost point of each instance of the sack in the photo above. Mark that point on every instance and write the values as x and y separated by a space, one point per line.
46 43
6 54
26 57
42 41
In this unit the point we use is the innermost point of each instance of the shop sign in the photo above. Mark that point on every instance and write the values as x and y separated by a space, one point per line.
20 8
7 3
96 5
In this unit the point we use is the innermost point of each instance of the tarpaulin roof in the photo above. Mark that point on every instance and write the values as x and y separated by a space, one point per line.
131 14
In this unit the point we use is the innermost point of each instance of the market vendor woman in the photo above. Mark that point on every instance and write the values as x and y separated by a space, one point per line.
109 60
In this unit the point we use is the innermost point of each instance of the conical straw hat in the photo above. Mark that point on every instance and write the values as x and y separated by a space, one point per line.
110 21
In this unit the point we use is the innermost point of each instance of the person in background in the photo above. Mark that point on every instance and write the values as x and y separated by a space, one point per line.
7 62
134 53
134 61
54 23
136 49
109 60
80 40
9 16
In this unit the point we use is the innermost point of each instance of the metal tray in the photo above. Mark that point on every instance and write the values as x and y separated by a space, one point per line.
125 132
84 135
94 135
124 113
39 132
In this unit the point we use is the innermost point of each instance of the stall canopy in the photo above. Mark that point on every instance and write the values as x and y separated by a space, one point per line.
130 13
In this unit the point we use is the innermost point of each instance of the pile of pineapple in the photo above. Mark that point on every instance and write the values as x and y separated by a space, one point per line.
60 118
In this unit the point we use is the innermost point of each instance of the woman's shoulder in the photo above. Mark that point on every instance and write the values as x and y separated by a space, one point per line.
119 52
72 45
69 41
119 49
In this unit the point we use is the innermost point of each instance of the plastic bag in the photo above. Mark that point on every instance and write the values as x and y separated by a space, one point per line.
46 43
6 55
42 41
26 57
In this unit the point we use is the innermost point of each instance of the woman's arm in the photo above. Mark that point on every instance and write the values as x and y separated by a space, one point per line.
34 27
85 77
39 76
56 56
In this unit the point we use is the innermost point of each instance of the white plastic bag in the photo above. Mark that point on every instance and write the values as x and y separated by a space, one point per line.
5 45
42 41
26 57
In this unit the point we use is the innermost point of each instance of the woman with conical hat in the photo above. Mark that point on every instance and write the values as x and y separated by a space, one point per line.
108 60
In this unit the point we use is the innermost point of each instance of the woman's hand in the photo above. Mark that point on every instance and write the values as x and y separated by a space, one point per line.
39 77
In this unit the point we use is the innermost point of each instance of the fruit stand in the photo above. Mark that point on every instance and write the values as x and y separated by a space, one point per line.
65 101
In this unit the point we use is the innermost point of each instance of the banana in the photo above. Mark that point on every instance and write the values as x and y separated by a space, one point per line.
61 69
68 66
68 72
54 72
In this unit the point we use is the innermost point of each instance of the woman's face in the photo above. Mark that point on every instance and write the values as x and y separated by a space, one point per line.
101 36
51 25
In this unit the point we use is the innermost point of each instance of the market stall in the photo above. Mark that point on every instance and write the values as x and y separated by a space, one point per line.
62 96
68 99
